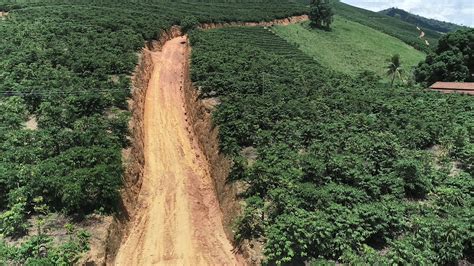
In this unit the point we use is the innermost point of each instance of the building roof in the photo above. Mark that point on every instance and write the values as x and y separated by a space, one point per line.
453 85
450 87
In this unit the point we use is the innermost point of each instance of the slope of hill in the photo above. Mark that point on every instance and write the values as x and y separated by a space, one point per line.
350 47
341 169
425 23
402 30
67 65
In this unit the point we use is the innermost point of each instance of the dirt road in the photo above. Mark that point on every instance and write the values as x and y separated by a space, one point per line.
178 219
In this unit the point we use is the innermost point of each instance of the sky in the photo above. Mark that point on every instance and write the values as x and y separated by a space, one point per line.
456 11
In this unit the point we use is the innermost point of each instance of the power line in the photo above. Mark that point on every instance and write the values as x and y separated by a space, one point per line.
264 77
57 92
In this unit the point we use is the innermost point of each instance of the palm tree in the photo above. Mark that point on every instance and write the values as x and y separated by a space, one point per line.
394 68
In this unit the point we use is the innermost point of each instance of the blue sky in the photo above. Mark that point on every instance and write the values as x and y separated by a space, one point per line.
456 11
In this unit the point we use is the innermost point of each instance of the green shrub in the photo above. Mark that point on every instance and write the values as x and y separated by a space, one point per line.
416 173
453 59
251 223
13 220
189 23
41 250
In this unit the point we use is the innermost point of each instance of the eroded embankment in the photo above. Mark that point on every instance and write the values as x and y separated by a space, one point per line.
282 22
179 219
132 233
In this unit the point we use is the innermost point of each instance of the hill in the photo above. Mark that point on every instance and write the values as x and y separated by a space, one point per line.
331 167
67 65
341 169
425 23
350 47
400 29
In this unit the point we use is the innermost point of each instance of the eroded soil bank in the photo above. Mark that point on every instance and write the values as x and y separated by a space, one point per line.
178 219
282 22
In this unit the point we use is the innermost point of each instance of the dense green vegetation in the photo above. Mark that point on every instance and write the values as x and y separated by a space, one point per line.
453 59
347 170
424 23
350 47
66 64
71 64
343 169
399 29
154 16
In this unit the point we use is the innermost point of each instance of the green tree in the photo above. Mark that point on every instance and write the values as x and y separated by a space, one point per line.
189 23
321 14
453 59
13 220
394 68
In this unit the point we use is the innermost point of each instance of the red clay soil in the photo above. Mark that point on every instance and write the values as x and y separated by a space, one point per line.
178 219
283 22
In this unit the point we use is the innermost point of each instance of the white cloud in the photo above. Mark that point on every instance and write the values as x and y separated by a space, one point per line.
457 11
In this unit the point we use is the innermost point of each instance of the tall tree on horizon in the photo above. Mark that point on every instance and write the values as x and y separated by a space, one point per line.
321 14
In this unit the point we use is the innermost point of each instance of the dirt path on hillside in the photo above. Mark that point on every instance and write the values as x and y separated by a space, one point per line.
178 219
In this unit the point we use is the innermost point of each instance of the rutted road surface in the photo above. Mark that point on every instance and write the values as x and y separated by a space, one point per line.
178 220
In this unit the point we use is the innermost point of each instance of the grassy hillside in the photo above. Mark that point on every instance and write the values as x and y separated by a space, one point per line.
402 30
425 23
350 47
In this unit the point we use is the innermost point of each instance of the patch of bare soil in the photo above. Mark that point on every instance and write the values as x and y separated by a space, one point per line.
439 153
178 219
3 15
32 123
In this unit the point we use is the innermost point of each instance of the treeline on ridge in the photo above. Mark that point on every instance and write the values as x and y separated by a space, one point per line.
425 23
